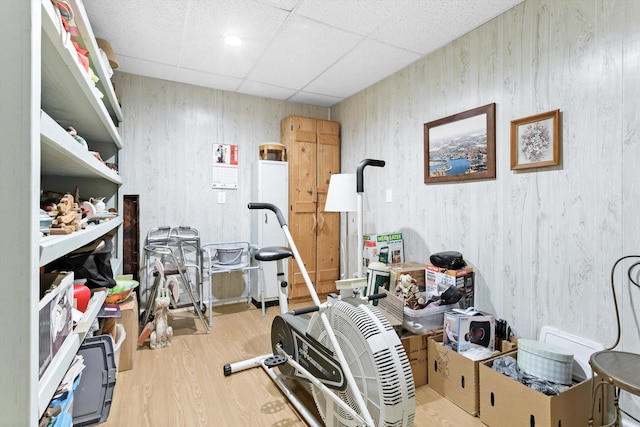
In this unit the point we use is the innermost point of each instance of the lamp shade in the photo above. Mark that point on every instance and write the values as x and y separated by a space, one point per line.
342 196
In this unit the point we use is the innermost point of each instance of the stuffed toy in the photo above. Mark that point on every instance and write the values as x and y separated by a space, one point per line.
407 289
162 334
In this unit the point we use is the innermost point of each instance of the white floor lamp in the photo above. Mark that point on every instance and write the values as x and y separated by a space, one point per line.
341 197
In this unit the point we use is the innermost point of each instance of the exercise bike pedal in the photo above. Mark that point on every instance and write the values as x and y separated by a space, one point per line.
275 360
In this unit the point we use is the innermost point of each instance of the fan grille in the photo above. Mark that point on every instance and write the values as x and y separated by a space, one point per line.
377 361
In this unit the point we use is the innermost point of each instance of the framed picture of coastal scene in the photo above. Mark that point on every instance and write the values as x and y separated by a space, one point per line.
461 147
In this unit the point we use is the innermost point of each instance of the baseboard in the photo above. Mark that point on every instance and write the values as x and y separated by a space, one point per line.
270 303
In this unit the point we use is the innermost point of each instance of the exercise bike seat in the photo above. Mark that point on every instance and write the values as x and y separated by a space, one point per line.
273 253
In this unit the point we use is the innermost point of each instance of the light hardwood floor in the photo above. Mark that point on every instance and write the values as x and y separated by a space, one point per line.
184 385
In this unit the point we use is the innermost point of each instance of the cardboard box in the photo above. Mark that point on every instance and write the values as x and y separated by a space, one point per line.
505 402
55 315
415 269
454 376
129 320
438 279
463 332
416 348
385 247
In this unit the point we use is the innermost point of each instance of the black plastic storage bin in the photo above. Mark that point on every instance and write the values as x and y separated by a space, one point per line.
92 400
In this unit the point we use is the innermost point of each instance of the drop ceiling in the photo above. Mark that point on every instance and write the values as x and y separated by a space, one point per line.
316 52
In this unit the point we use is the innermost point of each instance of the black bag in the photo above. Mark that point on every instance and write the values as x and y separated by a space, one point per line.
91 262
450 260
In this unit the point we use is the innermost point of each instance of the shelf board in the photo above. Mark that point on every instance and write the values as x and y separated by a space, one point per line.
53 247
68 95
62 360
64 156
89 43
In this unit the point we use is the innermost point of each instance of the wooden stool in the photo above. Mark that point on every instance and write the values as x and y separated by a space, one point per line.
273 151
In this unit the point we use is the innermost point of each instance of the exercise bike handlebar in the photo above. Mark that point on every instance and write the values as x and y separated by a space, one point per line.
314 308
360 172
273 208
305 310
376 296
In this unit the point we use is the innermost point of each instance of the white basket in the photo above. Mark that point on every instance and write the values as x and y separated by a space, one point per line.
120 335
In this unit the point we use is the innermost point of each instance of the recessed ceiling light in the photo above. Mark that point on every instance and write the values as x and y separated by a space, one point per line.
233 40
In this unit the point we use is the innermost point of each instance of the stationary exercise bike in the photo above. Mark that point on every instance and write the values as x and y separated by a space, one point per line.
345 349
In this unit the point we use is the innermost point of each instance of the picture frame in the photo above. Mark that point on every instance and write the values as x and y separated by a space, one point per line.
461 147
535 141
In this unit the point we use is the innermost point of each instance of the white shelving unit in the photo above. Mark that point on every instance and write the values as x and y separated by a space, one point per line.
89 43
61 361
62 155
45 90
68 95
70 98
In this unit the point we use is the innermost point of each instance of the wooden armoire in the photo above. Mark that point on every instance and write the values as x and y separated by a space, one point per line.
313 153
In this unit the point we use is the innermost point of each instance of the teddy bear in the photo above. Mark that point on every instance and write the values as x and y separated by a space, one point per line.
408 290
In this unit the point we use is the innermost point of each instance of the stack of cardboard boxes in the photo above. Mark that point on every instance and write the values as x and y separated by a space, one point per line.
499 401
473 385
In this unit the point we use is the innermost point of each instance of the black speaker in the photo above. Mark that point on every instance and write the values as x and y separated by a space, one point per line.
450 260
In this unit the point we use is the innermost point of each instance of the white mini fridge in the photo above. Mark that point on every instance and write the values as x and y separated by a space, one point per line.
270 184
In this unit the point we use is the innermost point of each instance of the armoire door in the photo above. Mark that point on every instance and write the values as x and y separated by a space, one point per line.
328 224
300 132
313 152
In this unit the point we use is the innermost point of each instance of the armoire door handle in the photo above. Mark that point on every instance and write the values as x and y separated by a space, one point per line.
321 222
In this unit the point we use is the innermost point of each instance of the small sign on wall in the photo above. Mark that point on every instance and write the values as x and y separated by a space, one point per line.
225 167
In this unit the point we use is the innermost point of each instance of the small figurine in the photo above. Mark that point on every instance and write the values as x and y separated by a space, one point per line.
162 333
68 219
74 133
408 290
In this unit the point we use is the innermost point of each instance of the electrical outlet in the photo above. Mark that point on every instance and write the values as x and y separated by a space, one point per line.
389 196
222 197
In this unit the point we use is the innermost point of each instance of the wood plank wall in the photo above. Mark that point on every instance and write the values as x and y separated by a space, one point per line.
542 241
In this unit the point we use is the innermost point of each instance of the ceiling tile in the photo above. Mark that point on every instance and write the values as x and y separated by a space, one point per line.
146 68
361 17
302 51
315 99
427 25
200 78
136 30
208 22
281 4
368 63
264 90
